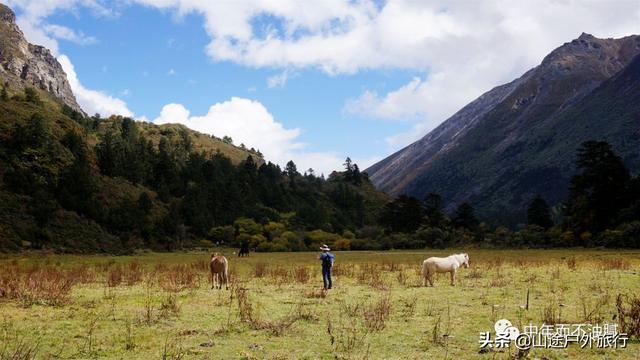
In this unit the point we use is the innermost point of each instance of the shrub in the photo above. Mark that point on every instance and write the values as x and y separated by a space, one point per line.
37 285
179 277
348 235
291 241
432 237
377 314
247 226
31 95
222 234
629 314
319 237
342 244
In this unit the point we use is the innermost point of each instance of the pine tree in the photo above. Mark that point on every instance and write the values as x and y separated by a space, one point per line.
465 217
599 192
538 213
433 209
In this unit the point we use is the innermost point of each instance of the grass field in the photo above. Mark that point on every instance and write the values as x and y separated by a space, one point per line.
154 306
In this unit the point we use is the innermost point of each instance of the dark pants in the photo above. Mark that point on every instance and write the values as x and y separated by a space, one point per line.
326 276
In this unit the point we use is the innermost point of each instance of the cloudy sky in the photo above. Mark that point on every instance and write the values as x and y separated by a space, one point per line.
312 81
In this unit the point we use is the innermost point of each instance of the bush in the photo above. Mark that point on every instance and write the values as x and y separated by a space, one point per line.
274 229
247 226
531 235
370 232
222 234
342 244
291 240
31 95
319 237
365 244
206 243
254 240
348 235
624 236
432 237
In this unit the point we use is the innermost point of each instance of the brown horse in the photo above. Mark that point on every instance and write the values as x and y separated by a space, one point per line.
219 270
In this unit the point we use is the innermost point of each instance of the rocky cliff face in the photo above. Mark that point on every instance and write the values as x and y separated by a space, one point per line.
24 64
504 147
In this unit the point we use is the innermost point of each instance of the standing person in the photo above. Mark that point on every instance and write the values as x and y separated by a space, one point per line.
327 260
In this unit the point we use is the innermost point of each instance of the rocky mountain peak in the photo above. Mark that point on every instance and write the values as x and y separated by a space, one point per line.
23 64
588 53
585 36
6 14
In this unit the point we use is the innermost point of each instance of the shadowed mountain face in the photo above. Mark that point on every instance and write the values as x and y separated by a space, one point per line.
519 139
24 64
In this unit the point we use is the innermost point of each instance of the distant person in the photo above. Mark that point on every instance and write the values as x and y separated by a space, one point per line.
327 260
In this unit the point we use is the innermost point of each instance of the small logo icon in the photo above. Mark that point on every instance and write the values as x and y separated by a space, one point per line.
506 330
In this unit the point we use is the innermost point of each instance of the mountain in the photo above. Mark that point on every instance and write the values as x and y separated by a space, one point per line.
519 139
24 64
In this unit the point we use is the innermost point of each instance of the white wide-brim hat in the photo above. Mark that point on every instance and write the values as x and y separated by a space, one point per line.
324 248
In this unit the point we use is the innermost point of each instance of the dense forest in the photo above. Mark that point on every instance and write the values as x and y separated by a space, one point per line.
73 183
127 190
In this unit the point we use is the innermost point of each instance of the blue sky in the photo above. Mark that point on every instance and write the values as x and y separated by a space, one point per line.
309 81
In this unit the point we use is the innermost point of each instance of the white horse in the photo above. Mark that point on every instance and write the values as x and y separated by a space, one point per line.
449 264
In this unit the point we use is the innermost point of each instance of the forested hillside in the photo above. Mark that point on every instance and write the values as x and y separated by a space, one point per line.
84 184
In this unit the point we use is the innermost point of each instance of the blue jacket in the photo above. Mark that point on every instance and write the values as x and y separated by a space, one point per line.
327 259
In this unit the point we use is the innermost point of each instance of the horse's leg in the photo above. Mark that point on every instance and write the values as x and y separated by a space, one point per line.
226 280
453 278
212 279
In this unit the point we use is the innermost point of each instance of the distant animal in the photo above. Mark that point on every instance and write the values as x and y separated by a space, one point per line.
244 249
219 271
449 264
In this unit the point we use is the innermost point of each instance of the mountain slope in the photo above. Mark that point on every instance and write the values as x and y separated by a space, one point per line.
24 64
498 154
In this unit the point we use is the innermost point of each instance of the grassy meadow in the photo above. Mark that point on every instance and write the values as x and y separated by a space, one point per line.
161 306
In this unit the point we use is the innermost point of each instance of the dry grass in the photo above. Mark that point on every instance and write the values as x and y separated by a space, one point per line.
615 264
178 278
376 315
259 270
38 285
165 309
628 308
301 274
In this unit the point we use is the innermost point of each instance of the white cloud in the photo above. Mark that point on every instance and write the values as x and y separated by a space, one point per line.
250 123
279 80
65 33
171 72
460 48
92 101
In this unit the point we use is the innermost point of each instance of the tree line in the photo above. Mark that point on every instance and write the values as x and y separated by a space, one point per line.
602 209
167 195
105 186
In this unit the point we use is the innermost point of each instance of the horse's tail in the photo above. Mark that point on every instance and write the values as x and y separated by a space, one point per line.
226 271
425 269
